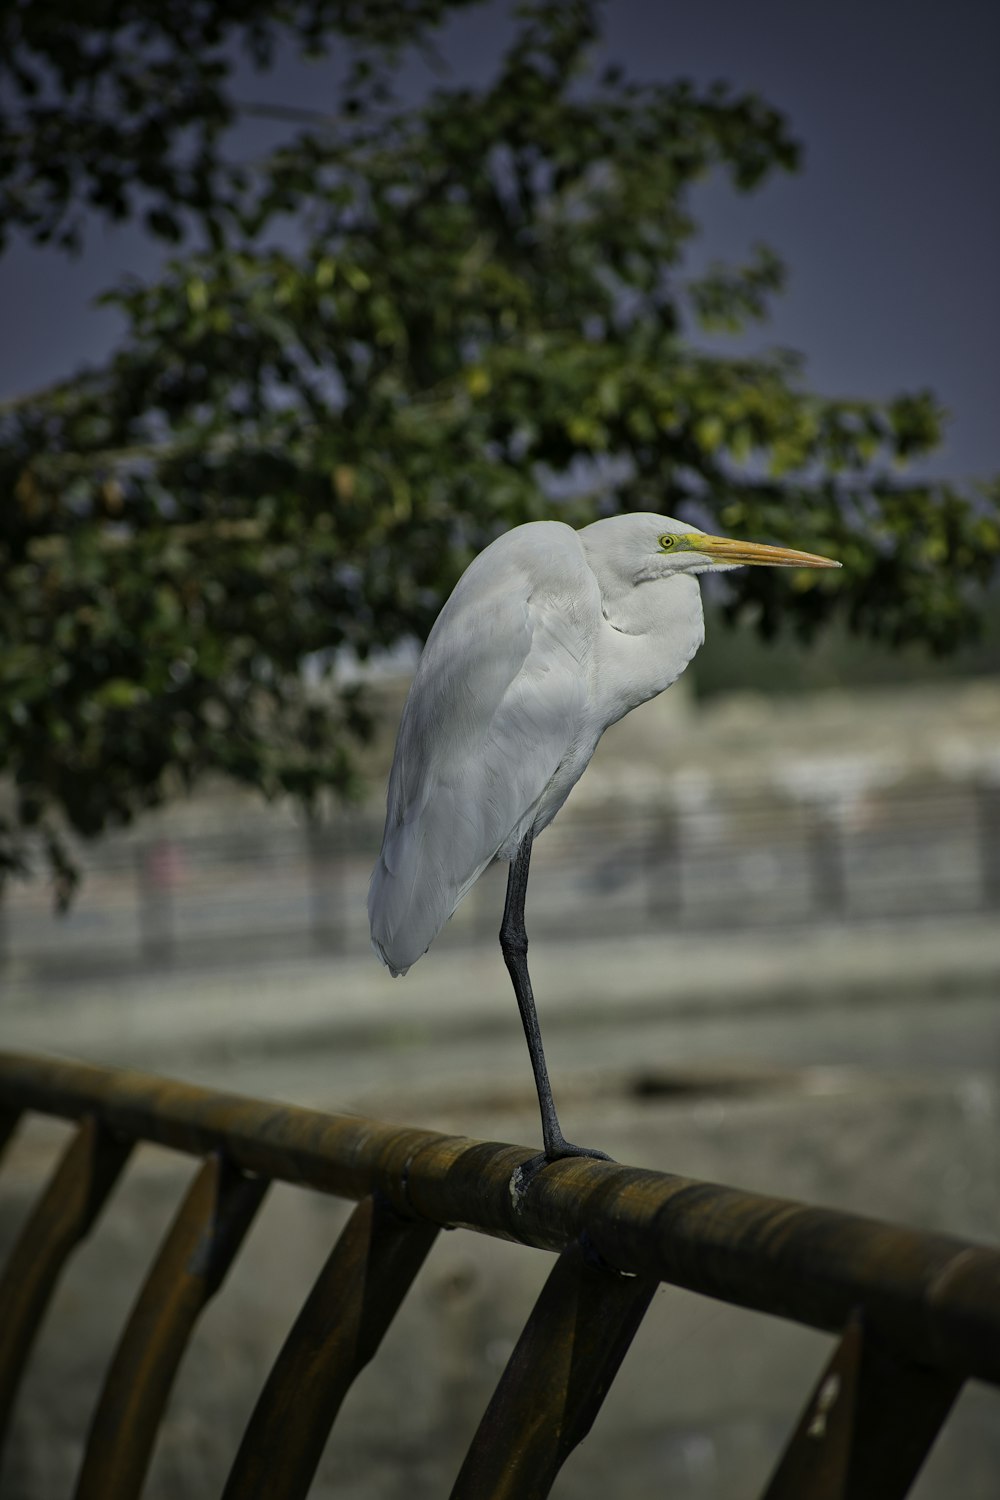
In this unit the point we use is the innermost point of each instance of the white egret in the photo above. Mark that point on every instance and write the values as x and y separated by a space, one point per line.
549 636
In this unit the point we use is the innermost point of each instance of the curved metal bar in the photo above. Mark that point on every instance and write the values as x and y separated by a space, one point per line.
867 1427
556 1379
342 1322
193 1259
63 1216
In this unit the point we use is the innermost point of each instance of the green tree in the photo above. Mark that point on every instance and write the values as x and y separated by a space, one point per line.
123 109
401 332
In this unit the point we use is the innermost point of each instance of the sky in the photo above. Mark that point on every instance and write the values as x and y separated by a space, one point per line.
891 231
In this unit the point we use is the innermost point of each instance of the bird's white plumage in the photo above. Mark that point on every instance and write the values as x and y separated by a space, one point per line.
549 636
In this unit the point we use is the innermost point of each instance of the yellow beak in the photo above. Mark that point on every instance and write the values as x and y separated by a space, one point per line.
725 550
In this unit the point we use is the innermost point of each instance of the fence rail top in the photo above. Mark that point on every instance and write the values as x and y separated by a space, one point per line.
936 1297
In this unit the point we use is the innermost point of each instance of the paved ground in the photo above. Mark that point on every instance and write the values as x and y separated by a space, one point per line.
869 1065
880 995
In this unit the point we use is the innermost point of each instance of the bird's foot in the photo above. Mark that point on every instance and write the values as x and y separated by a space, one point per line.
557 1150
561 1148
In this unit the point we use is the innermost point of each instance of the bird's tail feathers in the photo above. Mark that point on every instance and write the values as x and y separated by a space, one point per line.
409 900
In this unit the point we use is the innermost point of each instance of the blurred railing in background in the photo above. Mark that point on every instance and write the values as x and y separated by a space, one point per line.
251 882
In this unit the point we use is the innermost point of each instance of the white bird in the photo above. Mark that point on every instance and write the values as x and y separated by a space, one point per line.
549 636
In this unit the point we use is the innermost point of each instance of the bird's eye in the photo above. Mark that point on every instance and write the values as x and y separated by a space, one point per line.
667 541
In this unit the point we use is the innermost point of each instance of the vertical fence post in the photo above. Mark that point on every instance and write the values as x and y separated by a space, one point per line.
325 863
988 827
829 875
664 861
158 871
330 844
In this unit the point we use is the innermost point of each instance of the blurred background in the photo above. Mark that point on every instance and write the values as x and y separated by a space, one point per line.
372 291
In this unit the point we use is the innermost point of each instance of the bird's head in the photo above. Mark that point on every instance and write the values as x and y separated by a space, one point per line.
628 550
682 549
643 548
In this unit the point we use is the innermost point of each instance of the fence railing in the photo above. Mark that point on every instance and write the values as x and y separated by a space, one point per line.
917 1313
731 860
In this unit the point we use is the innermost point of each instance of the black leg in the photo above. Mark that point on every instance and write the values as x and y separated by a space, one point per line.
514 945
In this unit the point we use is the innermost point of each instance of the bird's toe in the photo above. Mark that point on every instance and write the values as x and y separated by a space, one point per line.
560 1150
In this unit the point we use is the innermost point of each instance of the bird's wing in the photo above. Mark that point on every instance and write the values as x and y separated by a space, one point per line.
496 705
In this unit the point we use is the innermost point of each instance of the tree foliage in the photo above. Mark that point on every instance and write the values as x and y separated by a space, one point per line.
123 108
398 334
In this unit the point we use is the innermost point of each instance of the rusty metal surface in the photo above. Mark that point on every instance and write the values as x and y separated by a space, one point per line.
355 1298
196 1253
935 1297
63 1216
556 1379
867 1427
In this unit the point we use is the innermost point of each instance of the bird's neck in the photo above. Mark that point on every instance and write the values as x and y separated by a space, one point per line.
651 633
660 607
